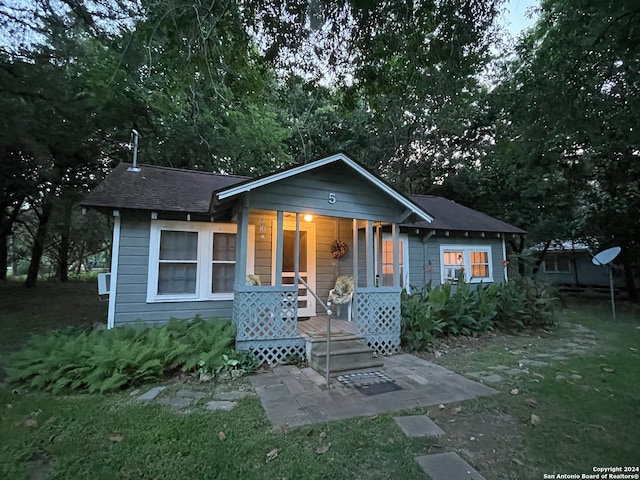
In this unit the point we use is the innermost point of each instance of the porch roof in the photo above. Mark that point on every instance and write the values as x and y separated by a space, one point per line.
236 190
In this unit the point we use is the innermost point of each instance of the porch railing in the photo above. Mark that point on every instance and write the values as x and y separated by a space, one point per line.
377 317
266 320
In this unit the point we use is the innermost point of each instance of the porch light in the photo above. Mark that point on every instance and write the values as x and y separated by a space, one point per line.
307 217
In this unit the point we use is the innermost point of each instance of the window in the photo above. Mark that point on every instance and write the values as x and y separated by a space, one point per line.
386 279
193 261
473 263
556 264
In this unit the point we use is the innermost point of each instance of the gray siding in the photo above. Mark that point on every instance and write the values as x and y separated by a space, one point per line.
583 272
131 288
424 259
355 197
328 268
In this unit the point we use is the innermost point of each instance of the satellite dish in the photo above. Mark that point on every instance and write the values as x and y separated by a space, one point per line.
607 256
604 258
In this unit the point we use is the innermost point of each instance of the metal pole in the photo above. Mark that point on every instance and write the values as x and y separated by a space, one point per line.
613 300
328 364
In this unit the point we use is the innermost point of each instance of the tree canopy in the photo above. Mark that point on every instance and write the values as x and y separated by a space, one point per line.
551 144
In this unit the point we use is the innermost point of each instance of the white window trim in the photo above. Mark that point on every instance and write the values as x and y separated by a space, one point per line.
466 250
204 259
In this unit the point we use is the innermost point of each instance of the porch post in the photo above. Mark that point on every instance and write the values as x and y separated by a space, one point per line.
396 254
369 251
355 253
241 249
279 247
296 251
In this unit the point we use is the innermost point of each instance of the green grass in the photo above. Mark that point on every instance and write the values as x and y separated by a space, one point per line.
28 311
76 434
583 423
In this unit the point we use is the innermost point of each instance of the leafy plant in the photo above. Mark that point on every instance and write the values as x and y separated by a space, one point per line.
420 318
464 309
106 360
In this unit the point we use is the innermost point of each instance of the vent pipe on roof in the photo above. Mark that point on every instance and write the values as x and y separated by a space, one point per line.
134 140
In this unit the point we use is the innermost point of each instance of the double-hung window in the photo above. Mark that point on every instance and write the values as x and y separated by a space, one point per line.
556 263
469 262
192 261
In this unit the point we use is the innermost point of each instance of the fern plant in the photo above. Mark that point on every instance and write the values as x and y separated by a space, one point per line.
107 360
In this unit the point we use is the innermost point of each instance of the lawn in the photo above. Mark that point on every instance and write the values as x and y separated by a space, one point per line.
584 422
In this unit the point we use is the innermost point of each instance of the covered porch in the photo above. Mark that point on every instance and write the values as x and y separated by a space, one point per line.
285 268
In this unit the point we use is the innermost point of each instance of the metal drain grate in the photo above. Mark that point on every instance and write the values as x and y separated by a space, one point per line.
364 379
369 383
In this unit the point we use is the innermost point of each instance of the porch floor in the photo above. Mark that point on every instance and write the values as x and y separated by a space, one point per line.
317 326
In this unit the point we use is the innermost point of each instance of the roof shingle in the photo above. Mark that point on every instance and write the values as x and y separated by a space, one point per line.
158 188
449 215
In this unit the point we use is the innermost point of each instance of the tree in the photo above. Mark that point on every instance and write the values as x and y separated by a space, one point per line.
570 102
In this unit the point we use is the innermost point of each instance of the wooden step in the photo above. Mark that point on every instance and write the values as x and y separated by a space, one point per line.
347 353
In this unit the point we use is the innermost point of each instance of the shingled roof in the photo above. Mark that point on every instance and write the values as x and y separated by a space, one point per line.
166 189
158 188
449 215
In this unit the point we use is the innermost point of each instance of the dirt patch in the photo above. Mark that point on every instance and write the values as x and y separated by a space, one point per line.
490 440
40 465
491 433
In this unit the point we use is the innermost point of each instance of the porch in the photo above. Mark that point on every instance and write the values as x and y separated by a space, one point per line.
317 327
286 259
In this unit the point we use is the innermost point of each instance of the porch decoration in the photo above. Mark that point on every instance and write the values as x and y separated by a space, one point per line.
338 249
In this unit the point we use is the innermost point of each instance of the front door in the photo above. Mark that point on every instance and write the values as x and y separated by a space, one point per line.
306 265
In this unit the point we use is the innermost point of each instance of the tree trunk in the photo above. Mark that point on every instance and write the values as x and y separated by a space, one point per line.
4 255
6 226
38 245
540 258
65 243
518 247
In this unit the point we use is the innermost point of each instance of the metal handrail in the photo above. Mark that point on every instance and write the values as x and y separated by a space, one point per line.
328 310
326 307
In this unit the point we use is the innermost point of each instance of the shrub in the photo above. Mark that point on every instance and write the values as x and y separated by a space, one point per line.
420 318
469 311
105 360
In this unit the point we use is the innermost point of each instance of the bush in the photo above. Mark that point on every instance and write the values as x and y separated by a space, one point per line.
441 310
420 318
105 360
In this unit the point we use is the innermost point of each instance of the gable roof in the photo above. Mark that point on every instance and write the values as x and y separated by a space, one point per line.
253 184
158 188
449 215
167 189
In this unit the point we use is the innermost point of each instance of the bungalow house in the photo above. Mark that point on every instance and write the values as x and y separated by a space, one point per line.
266 251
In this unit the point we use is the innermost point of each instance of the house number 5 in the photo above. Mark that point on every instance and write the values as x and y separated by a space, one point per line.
332 198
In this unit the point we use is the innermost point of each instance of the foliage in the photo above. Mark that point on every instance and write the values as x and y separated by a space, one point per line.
105 360
419 318
464 309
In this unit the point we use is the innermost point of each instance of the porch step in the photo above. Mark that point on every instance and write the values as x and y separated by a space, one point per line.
348 352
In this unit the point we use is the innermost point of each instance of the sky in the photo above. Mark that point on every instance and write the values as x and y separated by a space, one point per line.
515 16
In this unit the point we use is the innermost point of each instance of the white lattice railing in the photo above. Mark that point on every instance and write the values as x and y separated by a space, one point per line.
266 322
378 318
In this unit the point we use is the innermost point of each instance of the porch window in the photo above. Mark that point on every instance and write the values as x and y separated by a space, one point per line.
192 261
387 260
472 263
